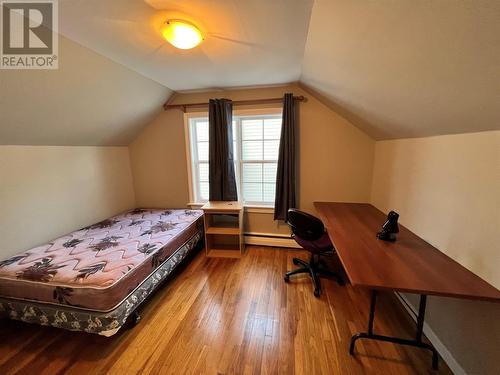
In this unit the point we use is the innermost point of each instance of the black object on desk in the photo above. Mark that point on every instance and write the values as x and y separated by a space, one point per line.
390 228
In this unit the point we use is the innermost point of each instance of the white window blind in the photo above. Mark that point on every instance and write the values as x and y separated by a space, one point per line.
255 146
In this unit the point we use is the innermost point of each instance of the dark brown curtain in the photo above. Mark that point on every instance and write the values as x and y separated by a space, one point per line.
221 177
285 177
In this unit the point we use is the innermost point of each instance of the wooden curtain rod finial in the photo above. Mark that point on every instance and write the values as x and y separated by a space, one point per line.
183 107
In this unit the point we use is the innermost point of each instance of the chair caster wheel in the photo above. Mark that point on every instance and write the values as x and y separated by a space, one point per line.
316 293
287 279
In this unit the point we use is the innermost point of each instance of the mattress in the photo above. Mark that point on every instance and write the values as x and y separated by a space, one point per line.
101 323
98 267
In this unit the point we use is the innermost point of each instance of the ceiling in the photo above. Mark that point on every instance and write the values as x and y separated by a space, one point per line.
407 68
246 42
88 101
395 69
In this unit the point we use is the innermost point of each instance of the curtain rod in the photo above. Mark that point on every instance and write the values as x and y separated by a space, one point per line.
167 106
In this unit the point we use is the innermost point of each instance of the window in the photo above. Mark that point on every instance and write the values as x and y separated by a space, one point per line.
256 141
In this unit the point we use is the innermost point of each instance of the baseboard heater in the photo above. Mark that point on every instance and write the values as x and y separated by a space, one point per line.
270 239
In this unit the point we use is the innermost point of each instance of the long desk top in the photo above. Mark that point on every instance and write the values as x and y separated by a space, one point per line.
408 265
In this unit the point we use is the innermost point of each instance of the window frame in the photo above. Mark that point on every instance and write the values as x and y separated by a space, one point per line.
192 159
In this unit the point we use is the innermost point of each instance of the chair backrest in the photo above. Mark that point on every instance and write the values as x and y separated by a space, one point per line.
304 225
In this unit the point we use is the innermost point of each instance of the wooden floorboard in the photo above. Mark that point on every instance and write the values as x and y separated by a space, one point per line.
229 316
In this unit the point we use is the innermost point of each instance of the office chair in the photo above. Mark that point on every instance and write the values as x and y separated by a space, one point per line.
309 232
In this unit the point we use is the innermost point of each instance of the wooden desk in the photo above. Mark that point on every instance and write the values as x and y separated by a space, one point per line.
408 265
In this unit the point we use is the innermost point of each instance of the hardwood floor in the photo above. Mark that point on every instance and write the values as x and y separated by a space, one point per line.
229 316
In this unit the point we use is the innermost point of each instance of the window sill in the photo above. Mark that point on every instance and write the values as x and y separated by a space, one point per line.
252 208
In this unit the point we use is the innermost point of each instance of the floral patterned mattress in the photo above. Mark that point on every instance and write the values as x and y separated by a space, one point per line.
97 267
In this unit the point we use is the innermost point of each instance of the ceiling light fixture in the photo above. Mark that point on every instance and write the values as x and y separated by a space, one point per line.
181 34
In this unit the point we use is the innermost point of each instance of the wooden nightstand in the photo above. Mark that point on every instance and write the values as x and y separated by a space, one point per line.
224 229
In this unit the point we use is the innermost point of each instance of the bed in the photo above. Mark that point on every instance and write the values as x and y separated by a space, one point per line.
94 279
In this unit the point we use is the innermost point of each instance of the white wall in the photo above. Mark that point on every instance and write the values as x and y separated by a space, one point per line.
48 191
447 190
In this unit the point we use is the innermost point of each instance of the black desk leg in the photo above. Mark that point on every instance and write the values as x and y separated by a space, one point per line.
418 337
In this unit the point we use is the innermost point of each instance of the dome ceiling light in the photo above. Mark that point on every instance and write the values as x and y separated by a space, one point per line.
181 34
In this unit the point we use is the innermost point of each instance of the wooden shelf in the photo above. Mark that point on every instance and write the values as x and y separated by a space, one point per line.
223 207
224 229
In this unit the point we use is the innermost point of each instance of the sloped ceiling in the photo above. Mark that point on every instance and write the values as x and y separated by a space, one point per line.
247 42
407 68
393 68
89 100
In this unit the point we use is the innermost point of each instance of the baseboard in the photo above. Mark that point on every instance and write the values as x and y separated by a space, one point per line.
261 240
431 335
